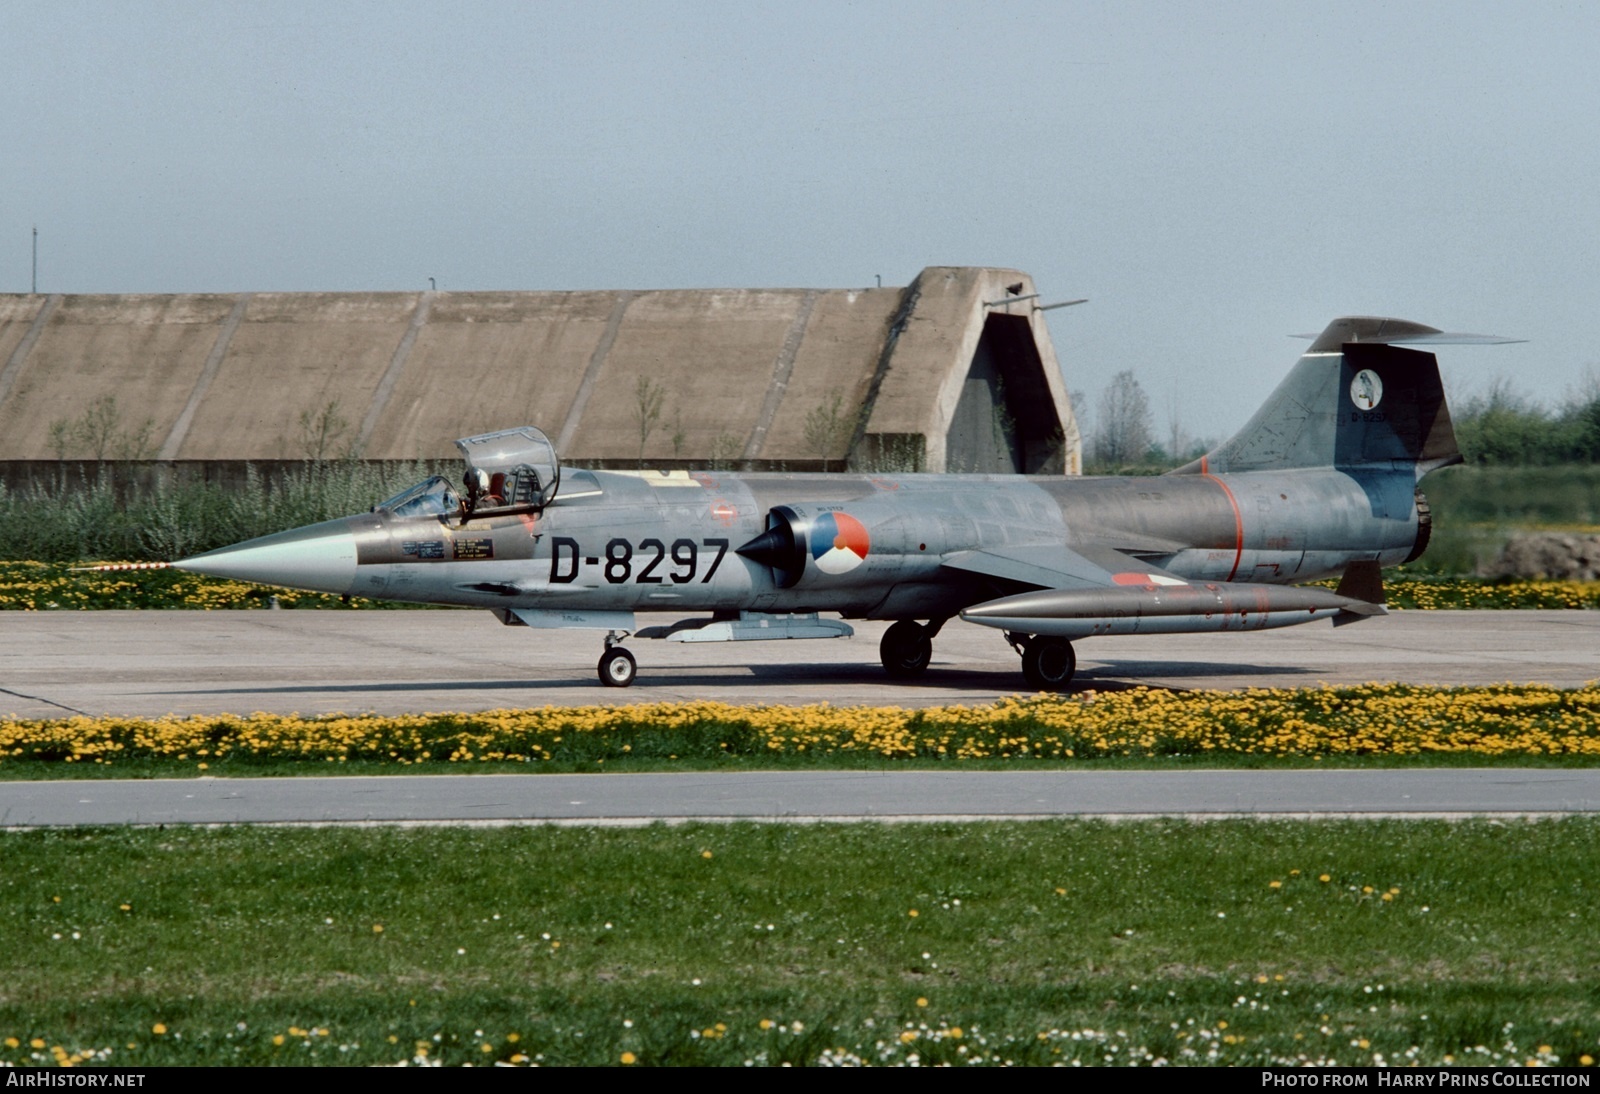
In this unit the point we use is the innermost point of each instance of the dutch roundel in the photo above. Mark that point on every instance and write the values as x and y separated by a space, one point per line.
839 543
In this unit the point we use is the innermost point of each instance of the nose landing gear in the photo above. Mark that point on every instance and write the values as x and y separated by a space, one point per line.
617 666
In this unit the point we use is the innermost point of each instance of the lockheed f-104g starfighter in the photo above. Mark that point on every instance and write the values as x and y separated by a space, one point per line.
1322 481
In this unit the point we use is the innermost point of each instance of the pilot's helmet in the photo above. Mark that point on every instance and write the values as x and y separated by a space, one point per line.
476 480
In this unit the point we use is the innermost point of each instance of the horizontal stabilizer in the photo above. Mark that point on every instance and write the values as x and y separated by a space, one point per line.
1394 332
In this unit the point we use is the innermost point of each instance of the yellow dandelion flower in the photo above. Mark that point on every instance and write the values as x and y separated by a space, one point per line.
159 1028
705 854
629 1058
922 1001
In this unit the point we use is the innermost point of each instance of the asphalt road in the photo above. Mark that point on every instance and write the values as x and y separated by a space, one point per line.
797 795
391 662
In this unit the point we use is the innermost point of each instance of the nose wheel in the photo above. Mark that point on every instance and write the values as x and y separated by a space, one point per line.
1048 663
617 666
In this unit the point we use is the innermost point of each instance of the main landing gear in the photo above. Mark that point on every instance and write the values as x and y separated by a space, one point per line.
617 666
1047 663
907 647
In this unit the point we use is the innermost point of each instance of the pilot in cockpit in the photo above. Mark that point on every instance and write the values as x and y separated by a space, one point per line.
484 491
476 480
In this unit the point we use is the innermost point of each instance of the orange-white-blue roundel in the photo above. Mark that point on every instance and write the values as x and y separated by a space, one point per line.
839 543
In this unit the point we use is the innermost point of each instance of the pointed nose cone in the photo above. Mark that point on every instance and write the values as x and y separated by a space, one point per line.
320 557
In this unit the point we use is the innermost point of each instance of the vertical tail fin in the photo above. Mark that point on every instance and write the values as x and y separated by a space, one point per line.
1353 401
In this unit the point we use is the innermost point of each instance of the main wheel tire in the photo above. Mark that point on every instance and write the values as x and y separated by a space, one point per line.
1048 663
617 668
906 650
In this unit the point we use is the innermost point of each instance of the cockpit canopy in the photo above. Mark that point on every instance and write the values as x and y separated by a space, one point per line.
432 498
519 467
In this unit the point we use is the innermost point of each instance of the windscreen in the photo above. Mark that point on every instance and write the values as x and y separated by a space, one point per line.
433 498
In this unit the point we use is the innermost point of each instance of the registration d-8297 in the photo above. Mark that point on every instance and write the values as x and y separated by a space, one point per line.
649 562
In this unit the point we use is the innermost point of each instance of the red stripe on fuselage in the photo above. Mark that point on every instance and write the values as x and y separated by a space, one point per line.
1238 520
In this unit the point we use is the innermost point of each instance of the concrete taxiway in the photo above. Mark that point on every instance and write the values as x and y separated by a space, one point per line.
391 662
153 663
798 796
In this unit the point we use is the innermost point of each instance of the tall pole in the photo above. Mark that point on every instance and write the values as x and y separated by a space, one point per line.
35 260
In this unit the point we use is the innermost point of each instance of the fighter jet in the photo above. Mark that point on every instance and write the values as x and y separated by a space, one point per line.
1322 481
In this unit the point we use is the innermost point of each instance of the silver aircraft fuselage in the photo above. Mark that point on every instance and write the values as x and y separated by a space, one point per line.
653 542
1321 481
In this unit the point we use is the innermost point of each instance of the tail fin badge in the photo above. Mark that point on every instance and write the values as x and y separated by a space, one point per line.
1366 390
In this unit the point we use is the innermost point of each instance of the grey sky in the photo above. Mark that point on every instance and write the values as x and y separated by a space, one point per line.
1213 176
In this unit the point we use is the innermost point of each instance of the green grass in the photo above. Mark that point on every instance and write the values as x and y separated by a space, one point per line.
1385 725
62 586
139 512
1476 510
1563 495
1026 935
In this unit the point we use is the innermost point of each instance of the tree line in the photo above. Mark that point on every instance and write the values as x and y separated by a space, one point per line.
1505 428
1500 428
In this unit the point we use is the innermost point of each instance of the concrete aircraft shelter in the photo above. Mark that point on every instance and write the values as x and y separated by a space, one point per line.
954 372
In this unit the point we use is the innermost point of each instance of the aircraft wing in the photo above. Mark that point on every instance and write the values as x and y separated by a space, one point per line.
1099 590
1057 566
